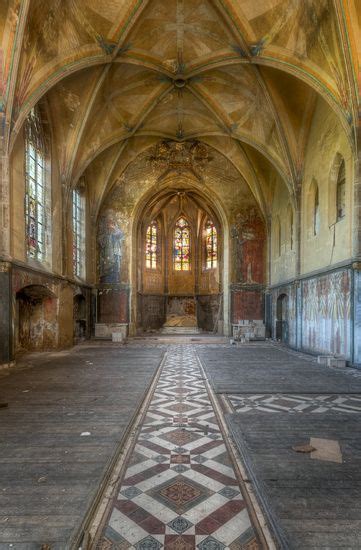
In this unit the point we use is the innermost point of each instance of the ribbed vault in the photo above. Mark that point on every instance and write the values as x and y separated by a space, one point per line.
119 76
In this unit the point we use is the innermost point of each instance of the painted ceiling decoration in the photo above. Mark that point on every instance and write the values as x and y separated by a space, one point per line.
120 76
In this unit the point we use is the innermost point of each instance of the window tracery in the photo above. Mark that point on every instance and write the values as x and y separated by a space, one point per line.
181 245
151 246
35 183
211 245
78 215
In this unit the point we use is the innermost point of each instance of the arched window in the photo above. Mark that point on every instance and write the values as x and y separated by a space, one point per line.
181 245
341 192
151 246
35 191
78 215
316 212
211 245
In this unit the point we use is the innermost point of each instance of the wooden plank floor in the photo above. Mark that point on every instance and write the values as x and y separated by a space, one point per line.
49 472
312 503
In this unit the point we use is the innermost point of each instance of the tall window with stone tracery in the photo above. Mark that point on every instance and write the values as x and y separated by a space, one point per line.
181 245
78 215
211 245
151 246
35 193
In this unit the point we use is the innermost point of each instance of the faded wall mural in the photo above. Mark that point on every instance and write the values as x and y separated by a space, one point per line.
110 245
248 237
326 316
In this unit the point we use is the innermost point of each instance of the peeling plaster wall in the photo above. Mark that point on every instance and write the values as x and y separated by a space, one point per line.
49 320
319 316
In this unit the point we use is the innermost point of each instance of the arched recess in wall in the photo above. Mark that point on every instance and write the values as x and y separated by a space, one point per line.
313 209
290 228
277 238
181 284
337 191
36 319
282 329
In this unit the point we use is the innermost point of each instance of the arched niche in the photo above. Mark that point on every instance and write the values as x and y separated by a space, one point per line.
282 329
36 325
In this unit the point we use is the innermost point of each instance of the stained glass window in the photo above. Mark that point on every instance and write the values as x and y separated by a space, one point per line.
151 246
35 186
78 215
211 245
341 192
181 245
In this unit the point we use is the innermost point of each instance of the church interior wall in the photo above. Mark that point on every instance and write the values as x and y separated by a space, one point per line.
283 236
333 242
255 138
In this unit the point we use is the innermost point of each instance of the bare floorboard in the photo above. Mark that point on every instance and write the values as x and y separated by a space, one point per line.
49 472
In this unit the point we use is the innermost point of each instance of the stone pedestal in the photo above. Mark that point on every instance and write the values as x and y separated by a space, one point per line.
105 330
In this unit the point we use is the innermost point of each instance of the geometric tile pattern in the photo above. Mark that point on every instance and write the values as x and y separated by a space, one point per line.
295 403
179 490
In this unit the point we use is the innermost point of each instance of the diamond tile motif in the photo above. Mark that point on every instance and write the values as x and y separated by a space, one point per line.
179 490
180 468
180 494
181 436
199 458
210 543
228 492
296 403
160 458
148 543
180 524
131 492
180 450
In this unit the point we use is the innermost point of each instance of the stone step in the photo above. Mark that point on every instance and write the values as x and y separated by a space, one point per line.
180 330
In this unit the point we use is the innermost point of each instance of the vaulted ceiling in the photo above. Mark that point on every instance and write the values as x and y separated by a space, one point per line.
243 76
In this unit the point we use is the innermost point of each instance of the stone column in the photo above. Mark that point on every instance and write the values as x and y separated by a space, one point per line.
356 252
4 194
356 230
6 341
356 314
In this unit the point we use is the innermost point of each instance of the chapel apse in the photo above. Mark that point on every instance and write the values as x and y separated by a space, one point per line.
185 180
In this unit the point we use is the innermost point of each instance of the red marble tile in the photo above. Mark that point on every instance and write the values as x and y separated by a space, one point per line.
153 525
219 517
141 476
213 474
207 446
207 526
154 447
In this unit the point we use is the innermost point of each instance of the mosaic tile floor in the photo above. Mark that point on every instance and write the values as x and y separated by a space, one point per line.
295 403
179 491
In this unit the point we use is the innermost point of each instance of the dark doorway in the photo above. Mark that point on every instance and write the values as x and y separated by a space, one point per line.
282 318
